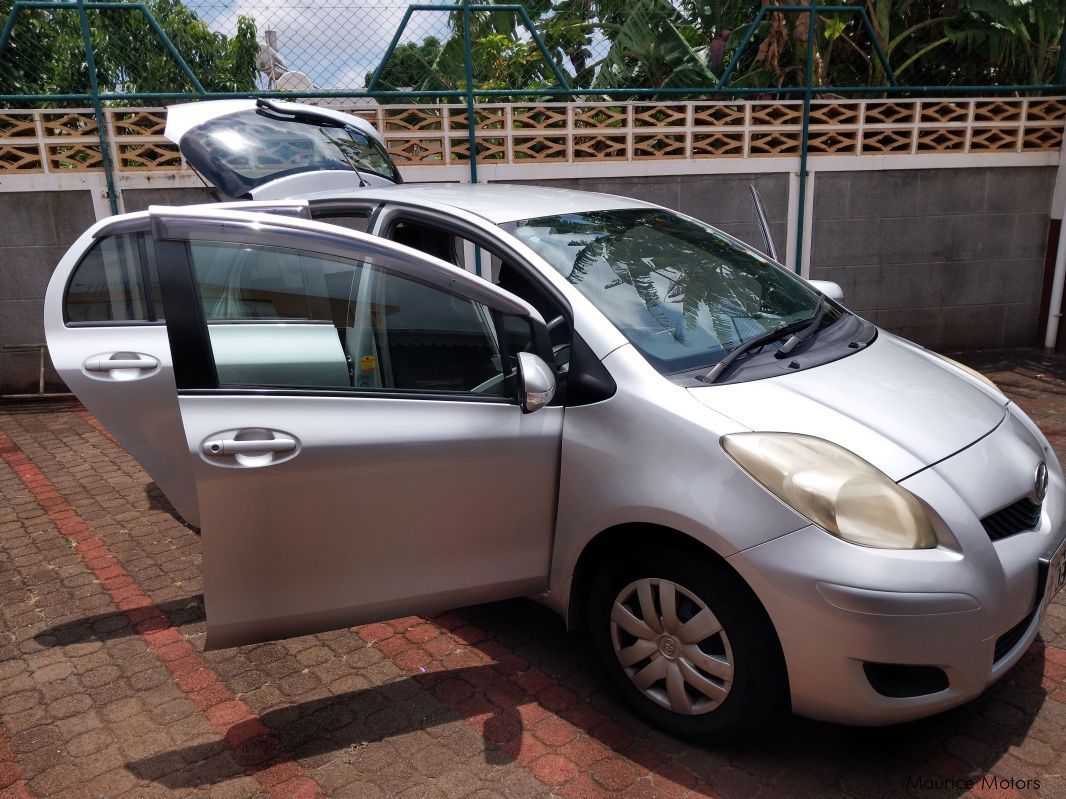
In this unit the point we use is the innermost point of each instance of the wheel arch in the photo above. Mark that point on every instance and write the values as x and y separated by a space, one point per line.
640 537
635 536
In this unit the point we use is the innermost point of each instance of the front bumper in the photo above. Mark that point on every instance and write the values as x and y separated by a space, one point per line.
837 606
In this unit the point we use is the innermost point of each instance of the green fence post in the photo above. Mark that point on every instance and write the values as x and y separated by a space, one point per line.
882 56
468 52
167 43
552 65
15 8
741 46
98 107
804 139
391 49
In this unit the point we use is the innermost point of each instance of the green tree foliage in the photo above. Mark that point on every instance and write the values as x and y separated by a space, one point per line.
688 43
408 66
45 54
655 47
1009 41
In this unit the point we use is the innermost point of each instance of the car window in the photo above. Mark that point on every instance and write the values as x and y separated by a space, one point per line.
280 317
680 291
240 151
453 247
108 284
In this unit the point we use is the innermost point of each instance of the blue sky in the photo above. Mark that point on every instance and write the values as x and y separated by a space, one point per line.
334 43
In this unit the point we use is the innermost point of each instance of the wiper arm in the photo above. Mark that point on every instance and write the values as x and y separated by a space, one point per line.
799 327
344 154
802 335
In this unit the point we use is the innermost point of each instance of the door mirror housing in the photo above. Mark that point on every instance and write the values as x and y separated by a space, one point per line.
536 382
828 288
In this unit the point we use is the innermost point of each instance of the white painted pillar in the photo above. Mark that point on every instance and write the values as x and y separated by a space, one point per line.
808 223
1058 205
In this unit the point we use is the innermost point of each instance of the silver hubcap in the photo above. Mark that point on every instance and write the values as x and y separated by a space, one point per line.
671 645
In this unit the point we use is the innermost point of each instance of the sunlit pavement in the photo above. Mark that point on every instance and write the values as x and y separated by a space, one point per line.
105 690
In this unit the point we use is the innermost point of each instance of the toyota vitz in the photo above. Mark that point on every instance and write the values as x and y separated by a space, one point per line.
379 400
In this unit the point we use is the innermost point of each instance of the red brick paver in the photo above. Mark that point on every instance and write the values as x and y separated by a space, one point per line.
12 786
104 690
251 743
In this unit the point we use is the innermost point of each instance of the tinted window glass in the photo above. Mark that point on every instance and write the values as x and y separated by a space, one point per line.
681 292
239 151
108 284
284 317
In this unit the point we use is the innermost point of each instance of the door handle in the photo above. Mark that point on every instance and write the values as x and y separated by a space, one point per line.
230 446
102 364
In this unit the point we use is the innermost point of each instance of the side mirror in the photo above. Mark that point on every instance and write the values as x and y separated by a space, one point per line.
536 382
828 288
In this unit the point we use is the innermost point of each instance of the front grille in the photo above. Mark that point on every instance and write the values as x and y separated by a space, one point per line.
1006 642
1022 515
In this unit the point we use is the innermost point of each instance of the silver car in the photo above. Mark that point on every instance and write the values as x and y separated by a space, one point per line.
379 400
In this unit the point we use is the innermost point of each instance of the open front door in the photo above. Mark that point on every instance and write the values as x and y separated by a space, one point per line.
338 482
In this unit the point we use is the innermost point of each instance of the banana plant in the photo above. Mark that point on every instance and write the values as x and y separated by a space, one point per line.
1020 38
655 47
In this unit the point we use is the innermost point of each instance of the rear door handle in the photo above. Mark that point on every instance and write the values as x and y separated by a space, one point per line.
230 446
102 363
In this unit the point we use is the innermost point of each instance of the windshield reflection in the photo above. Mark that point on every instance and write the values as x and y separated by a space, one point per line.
238 152
681 292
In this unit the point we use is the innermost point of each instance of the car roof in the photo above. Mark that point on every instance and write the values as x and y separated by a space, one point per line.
496 202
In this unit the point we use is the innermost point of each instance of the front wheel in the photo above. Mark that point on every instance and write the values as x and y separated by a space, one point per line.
687 644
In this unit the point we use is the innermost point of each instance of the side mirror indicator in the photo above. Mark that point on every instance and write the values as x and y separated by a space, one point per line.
536 382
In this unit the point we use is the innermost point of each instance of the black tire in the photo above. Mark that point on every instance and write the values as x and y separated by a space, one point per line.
759 682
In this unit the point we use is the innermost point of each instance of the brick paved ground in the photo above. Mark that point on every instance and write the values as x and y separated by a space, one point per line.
104 690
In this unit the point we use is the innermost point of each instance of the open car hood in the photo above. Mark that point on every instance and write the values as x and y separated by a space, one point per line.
897 406
266 149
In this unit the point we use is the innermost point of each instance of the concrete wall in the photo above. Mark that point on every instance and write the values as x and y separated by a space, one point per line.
38 228
140 199
951 258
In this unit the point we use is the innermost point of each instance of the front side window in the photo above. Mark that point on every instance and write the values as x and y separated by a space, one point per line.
280 317
108 284
682 293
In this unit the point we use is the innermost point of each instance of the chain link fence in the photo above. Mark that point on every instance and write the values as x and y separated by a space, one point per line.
308 46
125 48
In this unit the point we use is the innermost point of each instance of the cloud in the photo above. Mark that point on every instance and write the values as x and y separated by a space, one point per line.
334 43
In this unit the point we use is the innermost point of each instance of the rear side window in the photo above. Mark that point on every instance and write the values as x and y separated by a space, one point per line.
116 281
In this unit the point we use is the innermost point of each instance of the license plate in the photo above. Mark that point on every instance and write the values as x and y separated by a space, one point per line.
1056 573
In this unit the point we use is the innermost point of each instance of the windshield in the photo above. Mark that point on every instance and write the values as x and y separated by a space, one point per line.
238 152
681 292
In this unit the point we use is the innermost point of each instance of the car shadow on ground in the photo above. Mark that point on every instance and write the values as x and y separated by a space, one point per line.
934 756
157 500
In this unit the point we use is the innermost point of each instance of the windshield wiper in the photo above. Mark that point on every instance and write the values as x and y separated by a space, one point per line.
800 326
802 335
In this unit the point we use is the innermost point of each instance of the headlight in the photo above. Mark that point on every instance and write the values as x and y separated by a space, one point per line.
834 488
971 372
